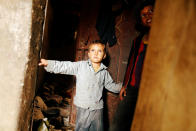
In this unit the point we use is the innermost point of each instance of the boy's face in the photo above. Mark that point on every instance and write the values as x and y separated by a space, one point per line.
146 15
96 53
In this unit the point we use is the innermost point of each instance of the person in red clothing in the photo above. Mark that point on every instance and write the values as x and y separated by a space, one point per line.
128 95
138 49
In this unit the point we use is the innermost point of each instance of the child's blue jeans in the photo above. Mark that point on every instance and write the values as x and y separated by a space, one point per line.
89 120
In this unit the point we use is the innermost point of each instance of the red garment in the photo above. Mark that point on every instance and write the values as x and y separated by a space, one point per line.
134 57
133 77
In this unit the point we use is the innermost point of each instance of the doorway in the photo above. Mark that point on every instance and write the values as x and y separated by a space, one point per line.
54 91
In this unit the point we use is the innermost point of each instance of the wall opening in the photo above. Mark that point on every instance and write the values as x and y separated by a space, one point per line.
54 91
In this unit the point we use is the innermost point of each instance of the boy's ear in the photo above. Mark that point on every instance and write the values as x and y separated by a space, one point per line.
104 56
88 54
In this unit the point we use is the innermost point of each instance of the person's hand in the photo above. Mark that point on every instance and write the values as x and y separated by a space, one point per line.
122 93
43 62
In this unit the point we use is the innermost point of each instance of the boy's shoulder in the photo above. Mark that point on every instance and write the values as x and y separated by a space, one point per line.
82 61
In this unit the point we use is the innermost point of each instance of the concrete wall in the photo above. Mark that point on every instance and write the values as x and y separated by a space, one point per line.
19 55
167 94
15 30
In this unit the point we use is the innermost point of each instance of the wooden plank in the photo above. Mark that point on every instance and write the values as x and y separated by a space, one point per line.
167 93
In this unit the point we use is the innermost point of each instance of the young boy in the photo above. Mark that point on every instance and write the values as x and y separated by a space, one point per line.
91 77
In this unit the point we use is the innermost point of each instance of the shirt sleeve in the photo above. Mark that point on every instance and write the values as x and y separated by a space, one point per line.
111 85
62 67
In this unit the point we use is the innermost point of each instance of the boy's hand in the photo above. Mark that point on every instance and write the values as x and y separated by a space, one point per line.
122 93
43 62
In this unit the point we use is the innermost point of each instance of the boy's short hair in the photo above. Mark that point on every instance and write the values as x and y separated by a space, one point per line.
97 42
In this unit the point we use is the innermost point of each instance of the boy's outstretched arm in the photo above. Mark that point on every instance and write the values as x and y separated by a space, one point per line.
43 62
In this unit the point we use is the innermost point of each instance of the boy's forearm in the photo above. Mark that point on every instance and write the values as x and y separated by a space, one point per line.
113 87
61 67
50 66
54 66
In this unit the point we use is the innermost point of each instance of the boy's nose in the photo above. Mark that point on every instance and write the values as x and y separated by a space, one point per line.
96 52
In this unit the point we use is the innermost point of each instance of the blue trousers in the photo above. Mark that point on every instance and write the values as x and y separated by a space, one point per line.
89 120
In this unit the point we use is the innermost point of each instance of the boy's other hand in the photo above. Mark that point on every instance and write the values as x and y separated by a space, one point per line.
43 62
122 93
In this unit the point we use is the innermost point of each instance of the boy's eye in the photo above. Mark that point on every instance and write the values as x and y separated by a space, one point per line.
100 51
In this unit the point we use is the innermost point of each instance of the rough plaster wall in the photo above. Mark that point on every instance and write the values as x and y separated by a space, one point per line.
167 93
21 36
15 24
31 77
119 53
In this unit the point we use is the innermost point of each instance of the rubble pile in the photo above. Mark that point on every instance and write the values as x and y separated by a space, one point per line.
52 104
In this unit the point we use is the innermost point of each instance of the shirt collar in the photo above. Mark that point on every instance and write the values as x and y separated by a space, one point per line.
102 66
